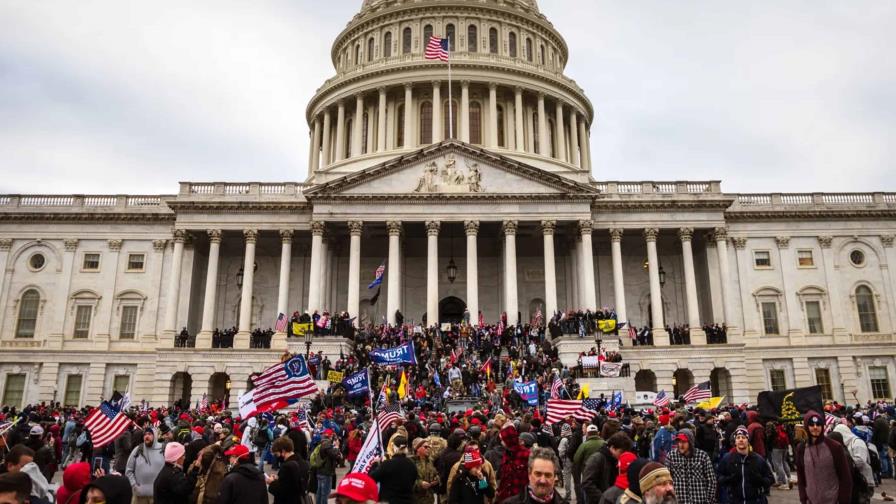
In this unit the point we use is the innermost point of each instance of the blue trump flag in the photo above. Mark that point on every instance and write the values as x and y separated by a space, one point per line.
358 383
402 354
528 391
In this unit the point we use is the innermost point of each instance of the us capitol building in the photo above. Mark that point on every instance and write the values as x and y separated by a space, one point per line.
506 216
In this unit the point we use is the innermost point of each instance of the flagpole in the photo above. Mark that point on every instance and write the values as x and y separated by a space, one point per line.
375 424
450 100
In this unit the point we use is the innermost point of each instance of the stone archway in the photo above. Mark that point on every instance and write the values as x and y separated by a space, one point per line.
181 388
720 382
645 381
219 387
682 380
451 309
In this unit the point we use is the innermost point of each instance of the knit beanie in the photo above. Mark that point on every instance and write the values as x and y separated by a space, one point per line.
653 474
634 473
472 458
173 451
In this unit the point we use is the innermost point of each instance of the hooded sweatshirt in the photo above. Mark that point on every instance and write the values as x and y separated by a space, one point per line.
858 450
144 464
692 474
74 478
40 487
757 433
822 469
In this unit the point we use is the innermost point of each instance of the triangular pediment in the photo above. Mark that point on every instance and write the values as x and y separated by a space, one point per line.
451 169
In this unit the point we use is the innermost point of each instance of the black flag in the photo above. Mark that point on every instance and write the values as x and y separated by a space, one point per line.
376 296
790 405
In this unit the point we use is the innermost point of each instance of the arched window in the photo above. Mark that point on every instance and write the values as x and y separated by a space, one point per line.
511 41
364 133
399 128
426 123
867 311
529 51
370 49
452 131
427 34
449 34
541 54
387 45
475 123
406 40
348 137
551 148
28 308
471 38
500 123
358 54
493 40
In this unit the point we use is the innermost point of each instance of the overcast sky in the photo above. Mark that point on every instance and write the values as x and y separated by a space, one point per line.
130 96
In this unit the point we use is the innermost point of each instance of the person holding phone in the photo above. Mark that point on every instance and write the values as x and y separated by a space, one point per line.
428 482
471 485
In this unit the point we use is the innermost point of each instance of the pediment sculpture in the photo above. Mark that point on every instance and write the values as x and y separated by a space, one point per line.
448 178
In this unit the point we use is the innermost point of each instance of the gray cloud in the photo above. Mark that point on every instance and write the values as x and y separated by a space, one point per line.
101 96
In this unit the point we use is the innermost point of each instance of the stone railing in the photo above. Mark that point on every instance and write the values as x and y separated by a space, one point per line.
808 200
655 187
250 189
79 201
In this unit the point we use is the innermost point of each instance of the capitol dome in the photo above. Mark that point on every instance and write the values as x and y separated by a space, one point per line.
508 91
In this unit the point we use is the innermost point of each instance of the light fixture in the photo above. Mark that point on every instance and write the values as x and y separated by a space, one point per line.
662 276
227 384
239 274
452 267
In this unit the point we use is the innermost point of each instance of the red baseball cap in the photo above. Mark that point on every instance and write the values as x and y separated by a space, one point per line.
238 451
682 437
358 487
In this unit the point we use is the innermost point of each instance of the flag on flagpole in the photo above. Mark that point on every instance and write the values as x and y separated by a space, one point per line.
388 414
699 392
403 385
280 324
281 383
370 450
302 418
556 387
561 409
481 319
661 399
711 403
105 424
378 275
437 48
487 367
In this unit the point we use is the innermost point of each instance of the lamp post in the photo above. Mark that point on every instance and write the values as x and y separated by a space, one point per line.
308 336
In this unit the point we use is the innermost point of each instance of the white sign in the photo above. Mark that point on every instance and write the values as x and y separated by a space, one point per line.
370 450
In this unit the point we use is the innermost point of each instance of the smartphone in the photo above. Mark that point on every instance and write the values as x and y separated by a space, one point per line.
97 463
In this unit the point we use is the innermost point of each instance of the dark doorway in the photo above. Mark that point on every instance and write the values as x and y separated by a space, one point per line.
451 309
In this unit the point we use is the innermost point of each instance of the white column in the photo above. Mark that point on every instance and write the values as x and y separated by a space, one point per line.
408 116
471 227
174 281
242 338
325 142
437 112
432 272
581 299
542 127
574 140
559 135
465 111
585 228
204 338
393 272
575 274
721 237
550 269
340 133
492 133
317 238
355 229
584 146
370 143
315 148
279 339
511 305
357 126
381 121
518 119
324 302
618 280
698 337
660 337
832 283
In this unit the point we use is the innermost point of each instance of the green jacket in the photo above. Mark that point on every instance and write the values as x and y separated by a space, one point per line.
588 448
426 471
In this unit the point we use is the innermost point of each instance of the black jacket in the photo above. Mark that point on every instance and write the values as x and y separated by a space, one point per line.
523 498
465 490
748 478
173 486
244 484
598 473
396 477
292 481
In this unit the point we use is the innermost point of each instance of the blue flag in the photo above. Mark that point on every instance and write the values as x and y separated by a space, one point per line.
357 383
528 391
378 276
402 354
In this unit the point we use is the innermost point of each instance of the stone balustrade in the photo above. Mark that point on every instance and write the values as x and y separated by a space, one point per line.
79 201
252 189
657 187
749 201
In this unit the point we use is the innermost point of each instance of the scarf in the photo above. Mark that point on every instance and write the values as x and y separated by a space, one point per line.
533 498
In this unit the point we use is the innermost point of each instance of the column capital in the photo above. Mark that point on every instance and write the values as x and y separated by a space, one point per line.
471 227
251 235
650 234
432 228
355 227
180 235
408 86
740 242
586 226
394 227
540 96
115 245
685 233
214 235
340 103
548 227
464 83
381 90
437 84
5 244
616 234
886 240
70 244
286 235
317 228
159 245
518 90
559 105
824 241
492 86
783 242
509 226
720 233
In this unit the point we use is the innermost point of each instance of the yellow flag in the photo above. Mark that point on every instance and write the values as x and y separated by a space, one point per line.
584 392
711 403
607 325
403 386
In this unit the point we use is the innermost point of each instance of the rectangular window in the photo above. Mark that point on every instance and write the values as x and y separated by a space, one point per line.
14 390
823 380
72 390
813 317
804 259
82 321
128 327
880 382
778 379
121 383
770 318
762 259
91 262
135 262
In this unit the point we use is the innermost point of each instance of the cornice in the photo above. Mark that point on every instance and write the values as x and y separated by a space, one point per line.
661 205
429 199
823 213
240 207
21 217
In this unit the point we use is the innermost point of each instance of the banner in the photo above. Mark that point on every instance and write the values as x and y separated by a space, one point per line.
790 405
358 383
711 403
299 328
590 361
528 391
335 376
371 449
403 354
247 404
610 369
607 325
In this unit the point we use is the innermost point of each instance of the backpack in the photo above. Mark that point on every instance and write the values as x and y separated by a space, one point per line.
316 460
260 438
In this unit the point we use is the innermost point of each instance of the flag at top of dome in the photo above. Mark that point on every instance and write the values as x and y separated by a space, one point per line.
437 48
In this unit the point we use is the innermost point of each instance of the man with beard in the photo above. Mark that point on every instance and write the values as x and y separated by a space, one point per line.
745 474
143 466
656 484
544 468
692 472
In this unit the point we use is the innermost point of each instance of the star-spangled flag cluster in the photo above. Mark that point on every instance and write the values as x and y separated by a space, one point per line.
105 424
281 383
280 324
388 414
437 48
556 388
561 409
699 392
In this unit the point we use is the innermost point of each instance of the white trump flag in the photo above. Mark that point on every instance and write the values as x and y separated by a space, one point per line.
370 450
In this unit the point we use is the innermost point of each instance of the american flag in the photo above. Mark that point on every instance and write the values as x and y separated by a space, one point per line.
105 424
203 403
283 382
280 325
661 399
556 388
437 48
378 275
830 421
302 417
561 409
632 333
388 414
699 392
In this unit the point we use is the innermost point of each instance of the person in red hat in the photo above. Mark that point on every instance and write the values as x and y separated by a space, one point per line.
244 484
692 471
356 488
471 484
